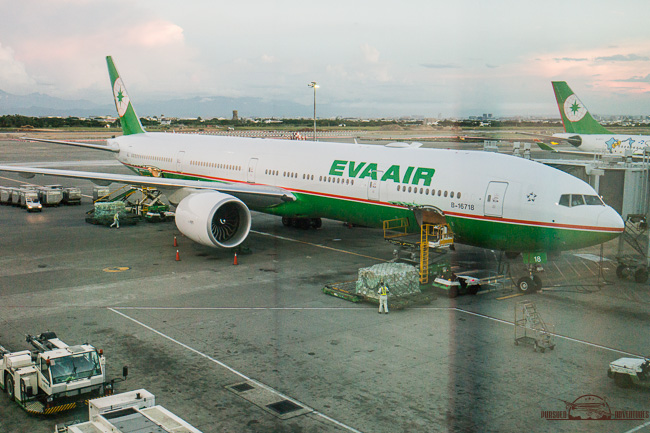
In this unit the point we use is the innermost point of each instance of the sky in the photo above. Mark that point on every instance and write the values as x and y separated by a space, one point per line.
379 58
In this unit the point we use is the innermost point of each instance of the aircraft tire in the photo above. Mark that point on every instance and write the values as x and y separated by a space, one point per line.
9 387
641 275
473 290
316 223
537 281
525 285
622 380
286 221
620 271
453 292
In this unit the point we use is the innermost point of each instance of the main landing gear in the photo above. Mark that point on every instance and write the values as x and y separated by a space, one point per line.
302 223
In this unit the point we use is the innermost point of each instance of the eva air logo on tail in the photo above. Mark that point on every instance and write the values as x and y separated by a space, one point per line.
121 97
574 109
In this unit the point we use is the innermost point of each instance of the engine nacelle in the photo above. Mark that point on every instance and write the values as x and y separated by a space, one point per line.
575 140
213 219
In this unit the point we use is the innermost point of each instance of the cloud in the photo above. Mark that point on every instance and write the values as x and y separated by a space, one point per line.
438 65
13 76
268 59
154 34
570 59
636 79
370 54
489 66
622 58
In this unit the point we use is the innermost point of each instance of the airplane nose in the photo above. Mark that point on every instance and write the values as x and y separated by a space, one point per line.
610 219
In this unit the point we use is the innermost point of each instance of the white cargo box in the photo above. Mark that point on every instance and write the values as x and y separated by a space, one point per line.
129 412
140 398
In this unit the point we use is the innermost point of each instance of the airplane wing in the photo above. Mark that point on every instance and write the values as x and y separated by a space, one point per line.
257 195
74 143
550 148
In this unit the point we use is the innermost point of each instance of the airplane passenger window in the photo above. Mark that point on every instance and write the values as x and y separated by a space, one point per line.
427 191
593 200
577 200
439 193
409 189
451 194
445 193
458 195
433 192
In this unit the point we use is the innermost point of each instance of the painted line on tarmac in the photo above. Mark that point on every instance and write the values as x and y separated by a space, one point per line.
243 308
232 370
640 427
575 340
509 296
317 245
483 316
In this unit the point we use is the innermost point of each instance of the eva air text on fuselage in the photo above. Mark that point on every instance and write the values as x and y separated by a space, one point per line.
395 173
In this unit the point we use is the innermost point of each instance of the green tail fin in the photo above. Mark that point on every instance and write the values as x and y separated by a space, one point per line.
128 119
575 116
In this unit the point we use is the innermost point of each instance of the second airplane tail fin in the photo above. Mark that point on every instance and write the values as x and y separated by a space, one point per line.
128 118
575 116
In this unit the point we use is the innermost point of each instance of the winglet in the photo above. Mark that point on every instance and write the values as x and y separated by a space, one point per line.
128 118
545 146
575 116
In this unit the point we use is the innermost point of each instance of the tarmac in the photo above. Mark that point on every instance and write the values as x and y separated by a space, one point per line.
191 329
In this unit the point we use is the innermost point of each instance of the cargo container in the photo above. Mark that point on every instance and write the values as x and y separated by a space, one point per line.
101 193
71 195
5 195
50 196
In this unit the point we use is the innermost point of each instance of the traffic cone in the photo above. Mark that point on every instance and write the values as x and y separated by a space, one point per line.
175 243
178 257
235 262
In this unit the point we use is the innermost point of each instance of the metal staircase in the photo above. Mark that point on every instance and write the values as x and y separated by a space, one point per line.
530 328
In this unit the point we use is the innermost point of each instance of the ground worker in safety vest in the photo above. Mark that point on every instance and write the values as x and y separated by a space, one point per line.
383 296
116 220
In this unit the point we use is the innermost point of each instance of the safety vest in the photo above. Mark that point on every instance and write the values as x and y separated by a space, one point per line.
383 290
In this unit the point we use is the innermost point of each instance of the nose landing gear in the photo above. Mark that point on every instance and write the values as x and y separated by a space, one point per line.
531 283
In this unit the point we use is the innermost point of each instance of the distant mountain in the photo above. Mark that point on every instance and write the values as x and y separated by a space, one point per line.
37 104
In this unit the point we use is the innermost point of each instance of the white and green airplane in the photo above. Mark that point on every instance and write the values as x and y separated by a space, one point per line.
585 133
489 200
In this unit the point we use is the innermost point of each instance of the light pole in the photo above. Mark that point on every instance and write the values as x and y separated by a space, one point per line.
315 86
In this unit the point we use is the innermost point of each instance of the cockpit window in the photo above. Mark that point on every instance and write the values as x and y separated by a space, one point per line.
571 200
565 200
577 200
593 200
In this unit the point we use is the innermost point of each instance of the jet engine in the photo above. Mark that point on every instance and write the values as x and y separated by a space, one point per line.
213 219
575 140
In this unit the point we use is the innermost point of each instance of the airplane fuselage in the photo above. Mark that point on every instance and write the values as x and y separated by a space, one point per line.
617 144
489 200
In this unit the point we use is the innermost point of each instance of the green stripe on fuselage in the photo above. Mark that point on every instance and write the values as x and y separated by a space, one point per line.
485 233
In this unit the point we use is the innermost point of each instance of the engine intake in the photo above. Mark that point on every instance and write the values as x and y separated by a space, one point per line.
213 219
